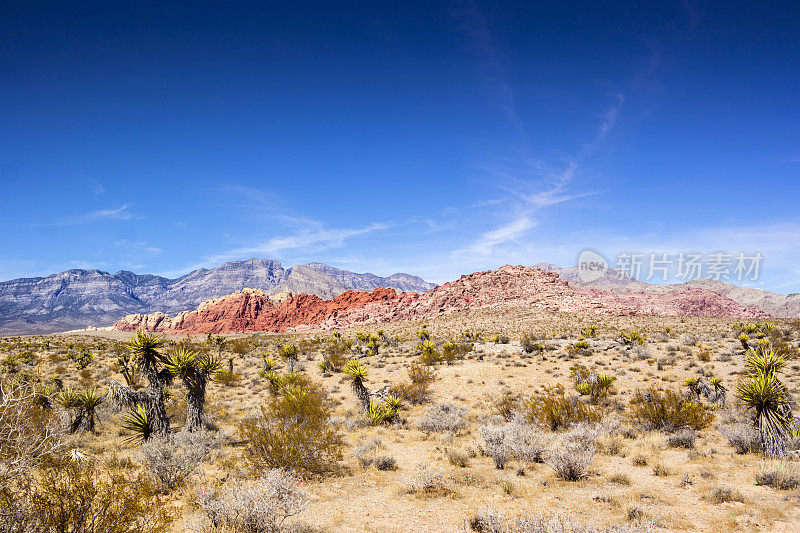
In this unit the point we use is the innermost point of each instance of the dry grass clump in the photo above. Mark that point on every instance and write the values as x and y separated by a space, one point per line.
570 456
293 431
684 438
743 437
258 507
489 521
725 495
554 410
778 475
444 417
667 410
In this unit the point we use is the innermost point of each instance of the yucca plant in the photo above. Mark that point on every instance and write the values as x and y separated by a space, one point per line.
195 370
145 350
357 373
423 334
743 338
766 396
720 392
765 361
394 402
429 353
70 399
693 384
90 400
288 351
138 421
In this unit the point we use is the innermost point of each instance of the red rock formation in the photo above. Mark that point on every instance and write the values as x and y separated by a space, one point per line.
252 310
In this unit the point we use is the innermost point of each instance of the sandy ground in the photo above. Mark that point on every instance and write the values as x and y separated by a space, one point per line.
367 499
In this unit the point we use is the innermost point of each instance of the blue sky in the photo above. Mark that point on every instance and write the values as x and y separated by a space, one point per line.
431 138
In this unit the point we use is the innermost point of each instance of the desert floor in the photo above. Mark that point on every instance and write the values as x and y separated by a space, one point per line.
635 478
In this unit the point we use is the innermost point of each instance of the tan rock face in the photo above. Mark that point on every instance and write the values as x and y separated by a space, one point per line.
251 310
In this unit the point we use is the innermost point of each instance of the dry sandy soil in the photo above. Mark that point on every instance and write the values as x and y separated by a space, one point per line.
635 476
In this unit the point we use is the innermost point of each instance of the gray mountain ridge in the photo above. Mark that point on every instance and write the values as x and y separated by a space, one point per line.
777 305
79 298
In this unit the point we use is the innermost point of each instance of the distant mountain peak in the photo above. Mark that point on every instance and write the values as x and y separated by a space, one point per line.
78 298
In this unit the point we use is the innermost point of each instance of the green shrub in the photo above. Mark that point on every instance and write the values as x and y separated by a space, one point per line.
78 496
530 343
417 389
668 410
554 410
293 431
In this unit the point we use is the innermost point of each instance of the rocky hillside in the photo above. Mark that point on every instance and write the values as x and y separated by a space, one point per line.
79 298
250 310
778 305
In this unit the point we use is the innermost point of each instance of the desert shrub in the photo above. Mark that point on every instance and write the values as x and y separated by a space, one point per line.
554 410
495 446
505 405
530 343
170 460
725 495
778 475
668 410
570 458
444 417
684 438
78 496
417 389
489 521
260 507
385 462
631 338
515 440
743 437
81 359
455 350
335 353
29 430
429 482
227 378
293 431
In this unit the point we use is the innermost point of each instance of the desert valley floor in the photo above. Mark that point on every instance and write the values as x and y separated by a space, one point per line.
423 473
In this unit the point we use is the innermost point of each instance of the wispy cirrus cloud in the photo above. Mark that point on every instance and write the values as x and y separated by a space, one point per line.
120 213
530 184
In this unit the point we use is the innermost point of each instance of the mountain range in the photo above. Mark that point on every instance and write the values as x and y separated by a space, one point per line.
80 298
772 303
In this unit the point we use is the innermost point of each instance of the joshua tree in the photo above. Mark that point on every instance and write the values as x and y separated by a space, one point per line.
358 373
90 399
289 352
70 399
145 352
720 392
195 370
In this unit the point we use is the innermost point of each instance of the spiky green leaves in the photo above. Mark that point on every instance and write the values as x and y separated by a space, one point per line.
145 349
139 422
764 361
355 371
764 394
